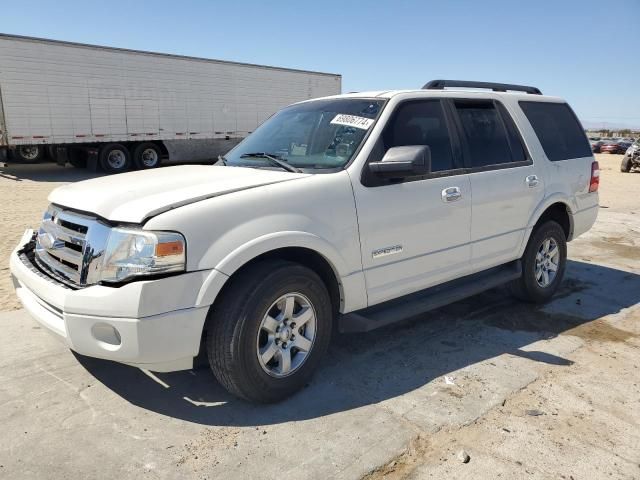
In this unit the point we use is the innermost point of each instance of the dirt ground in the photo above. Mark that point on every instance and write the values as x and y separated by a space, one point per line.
23 196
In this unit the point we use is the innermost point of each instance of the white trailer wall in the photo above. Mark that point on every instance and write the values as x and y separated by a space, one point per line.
56 92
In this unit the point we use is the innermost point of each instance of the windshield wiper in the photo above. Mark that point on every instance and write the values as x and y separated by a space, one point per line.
273 159
221 159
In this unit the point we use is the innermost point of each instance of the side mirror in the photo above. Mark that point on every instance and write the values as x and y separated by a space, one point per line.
403 162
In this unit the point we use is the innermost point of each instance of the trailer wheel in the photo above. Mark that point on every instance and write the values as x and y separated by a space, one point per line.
147 155
114 158
29 153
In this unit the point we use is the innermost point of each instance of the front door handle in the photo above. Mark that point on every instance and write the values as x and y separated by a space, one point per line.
532 181
451 194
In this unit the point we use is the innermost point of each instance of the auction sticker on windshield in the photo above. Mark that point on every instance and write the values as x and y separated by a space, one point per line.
352 121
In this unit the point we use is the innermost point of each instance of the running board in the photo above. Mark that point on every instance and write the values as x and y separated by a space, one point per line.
420 302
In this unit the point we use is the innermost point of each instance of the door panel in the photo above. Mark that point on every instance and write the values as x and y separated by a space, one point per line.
415 234
505 186
503 201
427 238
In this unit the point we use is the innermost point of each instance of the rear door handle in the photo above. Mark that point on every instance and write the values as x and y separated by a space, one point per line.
451 194
532 181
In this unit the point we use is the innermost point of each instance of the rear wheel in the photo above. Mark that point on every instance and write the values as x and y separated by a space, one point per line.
270 330
29 153
147 155
543 264
114 158
625 166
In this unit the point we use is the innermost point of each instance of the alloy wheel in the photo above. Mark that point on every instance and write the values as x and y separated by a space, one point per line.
547 262
286 335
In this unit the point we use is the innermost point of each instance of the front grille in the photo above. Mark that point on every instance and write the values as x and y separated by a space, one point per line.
28 259
69 245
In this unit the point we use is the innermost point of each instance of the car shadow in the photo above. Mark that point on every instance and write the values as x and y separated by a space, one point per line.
46 172
363 369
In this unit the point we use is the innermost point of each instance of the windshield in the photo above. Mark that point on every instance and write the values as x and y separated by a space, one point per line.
321 134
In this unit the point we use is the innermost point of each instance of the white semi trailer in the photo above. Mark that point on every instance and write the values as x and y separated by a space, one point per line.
123 109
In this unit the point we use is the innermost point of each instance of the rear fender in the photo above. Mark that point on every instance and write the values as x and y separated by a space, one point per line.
539 211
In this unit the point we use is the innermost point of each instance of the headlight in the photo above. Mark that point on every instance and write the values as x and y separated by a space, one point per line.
133 253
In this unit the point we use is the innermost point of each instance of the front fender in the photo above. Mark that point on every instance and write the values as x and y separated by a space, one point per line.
353 290
272 241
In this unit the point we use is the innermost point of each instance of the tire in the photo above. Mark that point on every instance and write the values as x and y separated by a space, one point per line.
625 166
29 153
238 330
114 158
529 287
147 155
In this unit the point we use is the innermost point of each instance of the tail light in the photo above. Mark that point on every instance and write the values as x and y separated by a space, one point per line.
594 183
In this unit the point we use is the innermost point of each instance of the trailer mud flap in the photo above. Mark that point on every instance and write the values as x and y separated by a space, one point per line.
92 159
62 155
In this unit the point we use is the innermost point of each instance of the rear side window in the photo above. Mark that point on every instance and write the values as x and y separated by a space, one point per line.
558 130
490 134
421 123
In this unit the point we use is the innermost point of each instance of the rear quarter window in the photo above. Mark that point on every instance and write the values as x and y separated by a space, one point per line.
558 130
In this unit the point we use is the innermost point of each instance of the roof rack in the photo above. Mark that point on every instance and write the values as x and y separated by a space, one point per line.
496 87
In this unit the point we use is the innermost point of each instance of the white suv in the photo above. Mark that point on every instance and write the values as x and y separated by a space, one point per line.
348 212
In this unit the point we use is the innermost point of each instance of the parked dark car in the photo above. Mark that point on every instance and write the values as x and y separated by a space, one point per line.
614 146
595 145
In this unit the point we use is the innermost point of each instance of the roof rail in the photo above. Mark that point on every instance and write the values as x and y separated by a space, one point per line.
496 87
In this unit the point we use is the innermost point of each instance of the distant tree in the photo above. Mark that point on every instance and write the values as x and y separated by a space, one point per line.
625 132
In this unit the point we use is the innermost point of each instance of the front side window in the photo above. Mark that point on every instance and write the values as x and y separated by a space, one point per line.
320 134
487 137
558 130
421 123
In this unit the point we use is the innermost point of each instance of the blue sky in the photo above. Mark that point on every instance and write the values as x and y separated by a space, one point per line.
585 51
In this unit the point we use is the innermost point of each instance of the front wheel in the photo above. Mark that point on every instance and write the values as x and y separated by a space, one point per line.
543 264
270 330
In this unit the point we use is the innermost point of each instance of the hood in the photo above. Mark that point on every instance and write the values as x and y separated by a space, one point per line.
136 196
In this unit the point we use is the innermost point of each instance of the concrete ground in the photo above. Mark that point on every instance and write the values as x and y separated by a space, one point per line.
526 392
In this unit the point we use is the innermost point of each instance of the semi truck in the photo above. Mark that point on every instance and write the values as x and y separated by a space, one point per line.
121 109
